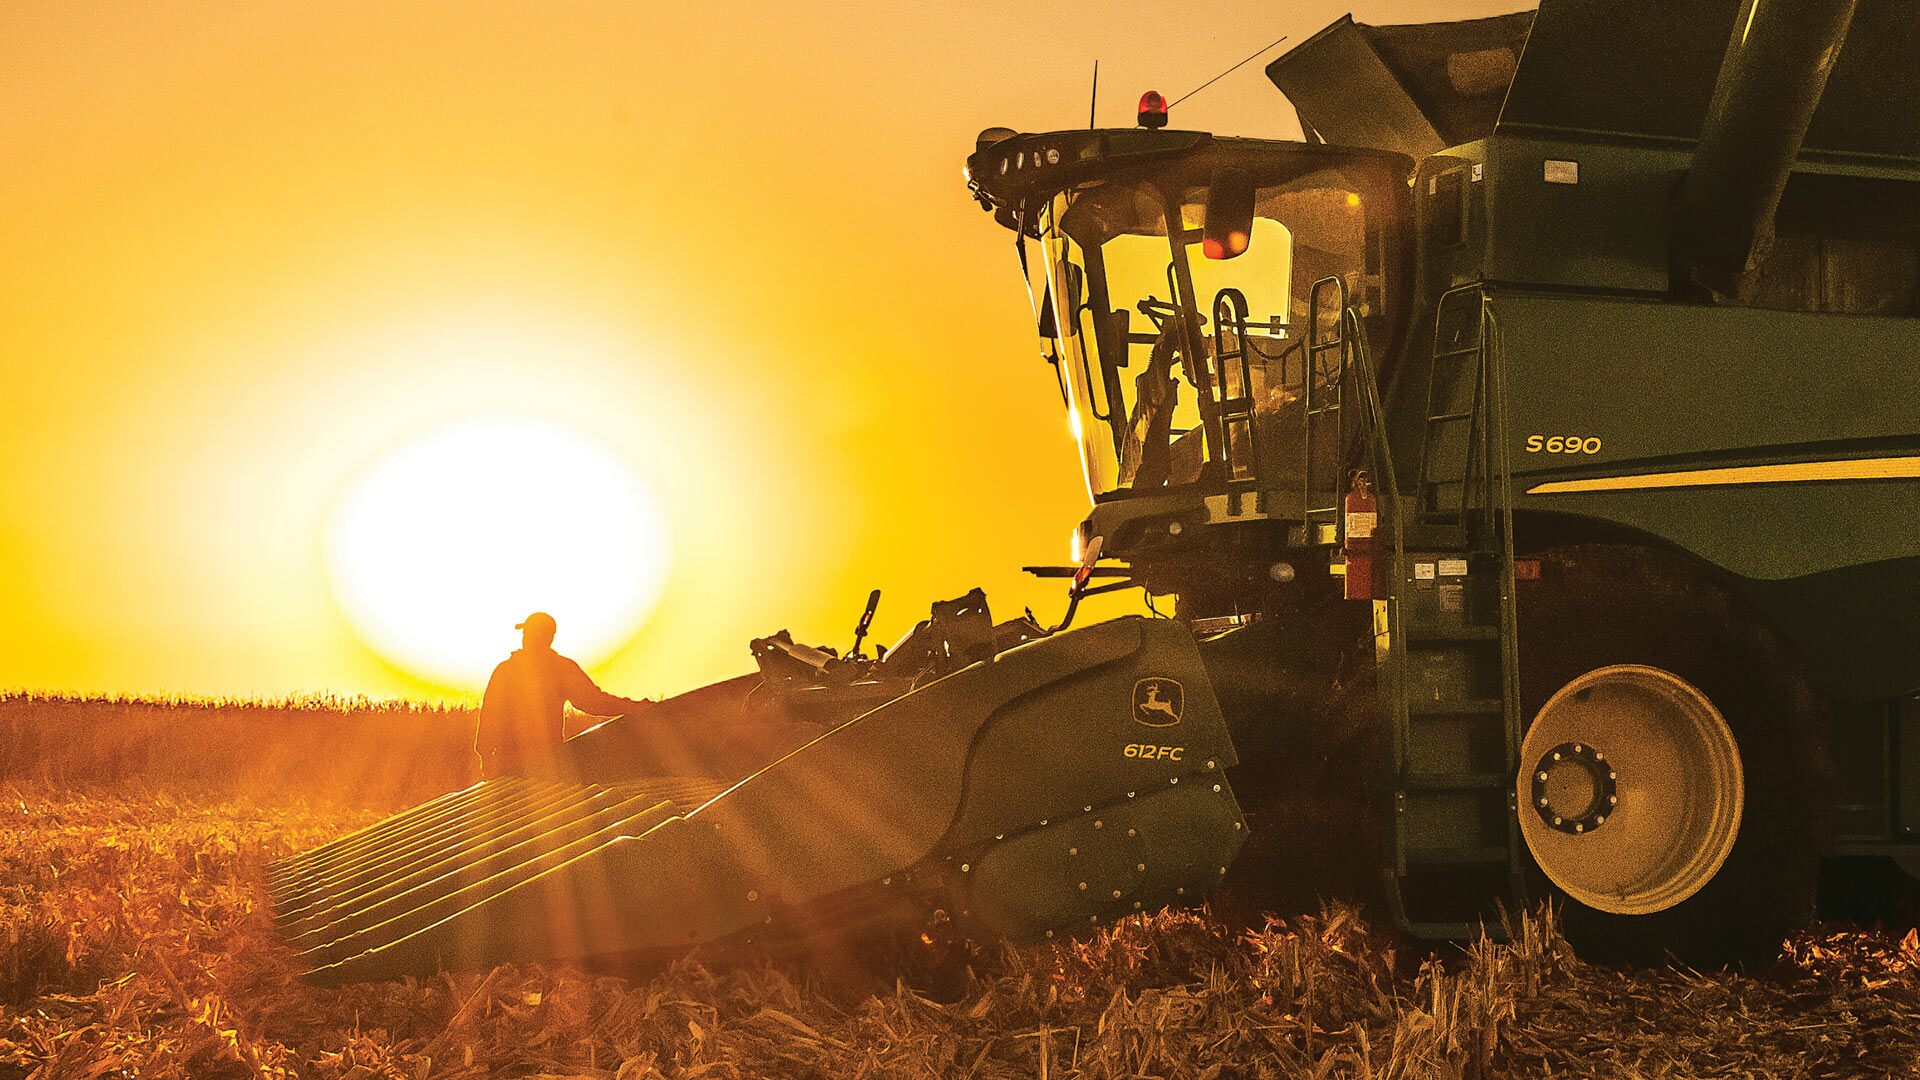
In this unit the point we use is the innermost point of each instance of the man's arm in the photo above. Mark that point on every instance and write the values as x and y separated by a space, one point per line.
588 698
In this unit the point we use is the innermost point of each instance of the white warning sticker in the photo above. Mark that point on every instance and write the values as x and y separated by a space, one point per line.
1360 526
1453 568
1423 571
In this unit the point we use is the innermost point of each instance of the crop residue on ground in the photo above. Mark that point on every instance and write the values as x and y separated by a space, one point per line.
135 940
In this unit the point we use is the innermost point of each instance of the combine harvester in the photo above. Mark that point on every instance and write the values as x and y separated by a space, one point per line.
1532 451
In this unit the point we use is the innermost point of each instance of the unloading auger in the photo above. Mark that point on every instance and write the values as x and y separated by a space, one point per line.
1028 789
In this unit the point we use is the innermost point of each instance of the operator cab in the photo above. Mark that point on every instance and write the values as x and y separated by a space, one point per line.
1194 294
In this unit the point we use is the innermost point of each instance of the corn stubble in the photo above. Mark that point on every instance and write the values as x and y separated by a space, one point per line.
135 941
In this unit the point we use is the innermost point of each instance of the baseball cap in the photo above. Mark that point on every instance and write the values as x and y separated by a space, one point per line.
538 620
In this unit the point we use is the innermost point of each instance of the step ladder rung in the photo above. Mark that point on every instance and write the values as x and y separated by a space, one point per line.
1456 707
1423 636
1456 931
1434 859
1463 781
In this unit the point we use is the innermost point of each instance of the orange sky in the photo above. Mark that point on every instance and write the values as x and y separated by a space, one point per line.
252 246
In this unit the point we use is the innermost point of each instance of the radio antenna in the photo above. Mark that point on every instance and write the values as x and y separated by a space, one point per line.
1094 105
1227 72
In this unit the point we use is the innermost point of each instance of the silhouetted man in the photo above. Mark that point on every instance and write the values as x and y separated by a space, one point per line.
524 711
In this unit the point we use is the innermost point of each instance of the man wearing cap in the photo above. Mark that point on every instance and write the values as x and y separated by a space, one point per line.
524 711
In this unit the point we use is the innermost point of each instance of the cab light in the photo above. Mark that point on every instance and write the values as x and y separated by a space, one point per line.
1235 244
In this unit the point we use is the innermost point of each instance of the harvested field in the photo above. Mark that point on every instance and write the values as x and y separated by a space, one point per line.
134 941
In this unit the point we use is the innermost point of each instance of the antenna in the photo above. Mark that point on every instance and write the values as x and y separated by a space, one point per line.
1226 73
1095 103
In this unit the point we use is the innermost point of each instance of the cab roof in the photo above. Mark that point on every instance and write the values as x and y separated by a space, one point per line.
1014 174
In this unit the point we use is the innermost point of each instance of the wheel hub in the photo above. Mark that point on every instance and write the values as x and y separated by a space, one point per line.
1574 788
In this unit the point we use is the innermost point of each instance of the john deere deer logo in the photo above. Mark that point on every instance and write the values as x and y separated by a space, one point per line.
1158 702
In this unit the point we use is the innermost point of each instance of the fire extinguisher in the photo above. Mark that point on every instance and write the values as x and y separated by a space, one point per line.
1363 514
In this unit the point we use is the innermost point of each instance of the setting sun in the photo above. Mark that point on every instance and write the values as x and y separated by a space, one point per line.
440 546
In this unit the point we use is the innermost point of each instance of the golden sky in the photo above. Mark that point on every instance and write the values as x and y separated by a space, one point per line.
253 247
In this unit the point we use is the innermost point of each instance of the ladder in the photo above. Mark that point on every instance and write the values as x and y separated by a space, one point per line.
1234 402
1449 687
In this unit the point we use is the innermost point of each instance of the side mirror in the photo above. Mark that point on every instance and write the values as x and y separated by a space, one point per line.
1076 287
1229 218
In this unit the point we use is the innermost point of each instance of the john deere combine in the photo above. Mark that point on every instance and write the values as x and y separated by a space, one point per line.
1534 457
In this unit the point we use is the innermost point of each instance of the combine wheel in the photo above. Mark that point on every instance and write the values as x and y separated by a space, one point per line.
1674 756
1670 775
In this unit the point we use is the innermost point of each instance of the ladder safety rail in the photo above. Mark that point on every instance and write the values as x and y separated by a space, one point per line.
1458 358
1502 495
1329 346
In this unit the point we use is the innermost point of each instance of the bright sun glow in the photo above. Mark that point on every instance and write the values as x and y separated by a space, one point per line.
437 549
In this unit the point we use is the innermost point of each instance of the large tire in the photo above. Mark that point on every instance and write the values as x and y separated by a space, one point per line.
1666 627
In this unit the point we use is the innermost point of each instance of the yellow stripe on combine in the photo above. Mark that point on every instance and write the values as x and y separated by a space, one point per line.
1884 468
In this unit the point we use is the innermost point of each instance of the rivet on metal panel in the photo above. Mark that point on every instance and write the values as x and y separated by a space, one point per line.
1098 824
1116 894
966 868
752 895
1083 886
